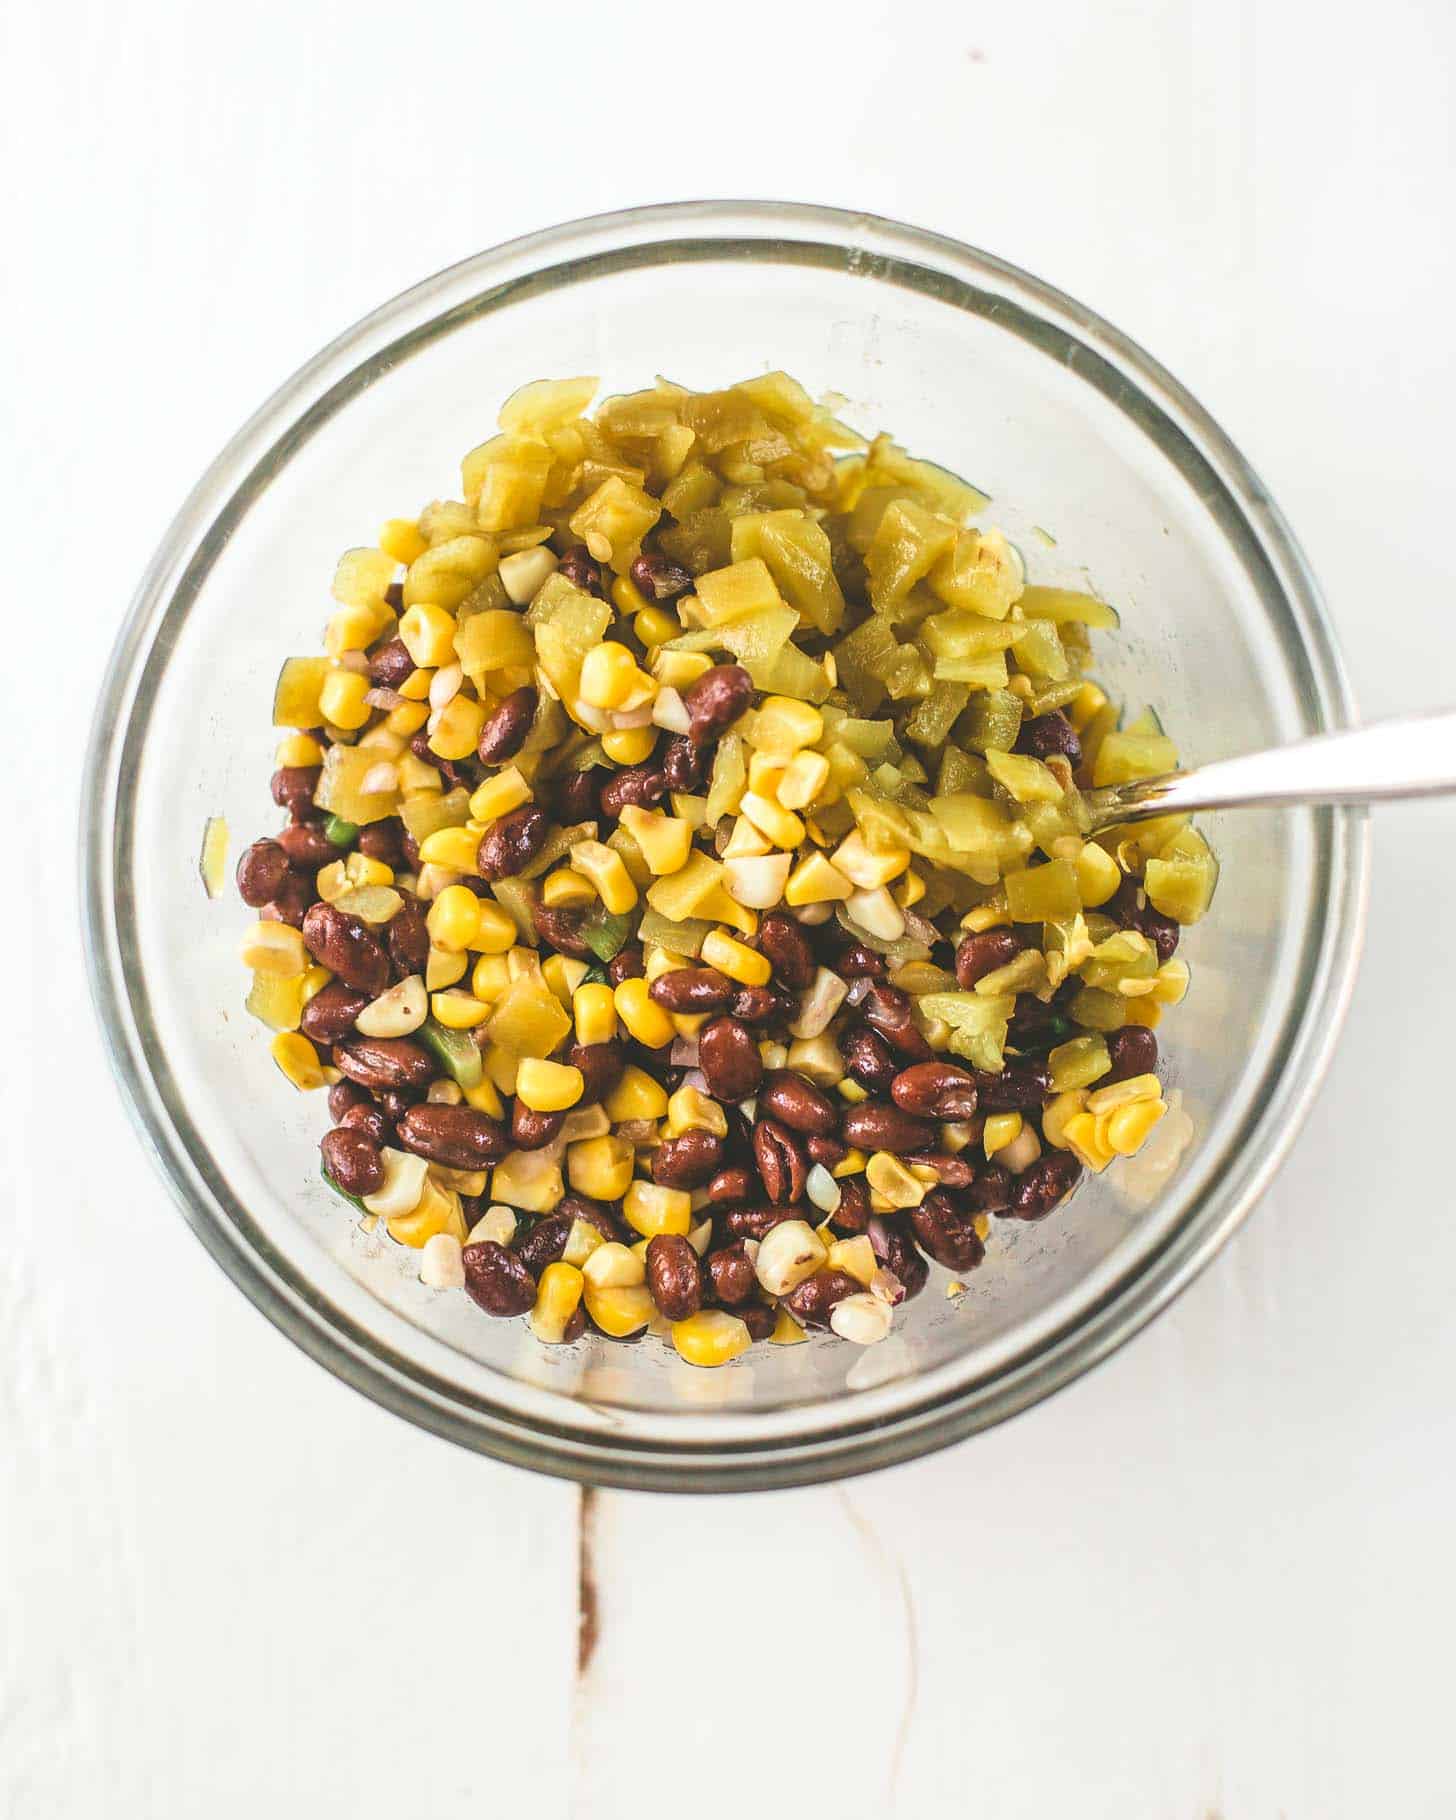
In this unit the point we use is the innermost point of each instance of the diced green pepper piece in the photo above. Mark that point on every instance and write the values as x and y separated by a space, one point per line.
1079 1062
605 933
1027 779
1040 652
1121 757
1095 1009
1063 606
1043 894
456 1052
991 722
1181 881
425 814
343 1193
978 1024
685 937
340 832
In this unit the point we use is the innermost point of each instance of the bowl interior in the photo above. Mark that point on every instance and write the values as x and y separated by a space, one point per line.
963 363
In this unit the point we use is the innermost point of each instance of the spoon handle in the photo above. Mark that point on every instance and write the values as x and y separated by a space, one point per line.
1412 756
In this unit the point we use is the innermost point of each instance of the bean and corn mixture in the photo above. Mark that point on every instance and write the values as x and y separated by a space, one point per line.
685 898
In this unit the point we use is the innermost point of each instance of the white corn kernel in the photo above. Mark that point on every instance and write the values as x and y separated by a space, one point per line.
498 1224
523 572
877 912
822 1189
862 1319
440 1265
396 1012
822 998
789 1253
758 882
1021 1152
403 1184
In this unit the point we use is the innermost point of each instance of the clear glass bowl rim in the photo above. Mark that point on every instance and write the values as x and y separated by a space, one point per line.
259 452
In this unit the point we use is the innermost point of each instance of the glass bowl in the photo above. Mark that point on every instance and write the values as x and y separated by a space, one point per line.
1073 431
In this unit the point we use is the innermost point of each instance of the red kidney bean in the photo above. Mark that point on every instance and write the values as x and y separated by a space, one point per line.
657 579
758 1222
575 1325
560 925
716 700
341 1096
457 1136
625 964
574 797
953 1171
826 1150
506 727
981 954
730 1274
683 765
783 943
734 1184
407 936
635 786
601 1066
874 1125
496 1279
859 963
530 1130
757 1004
1050 736
1049 1180
348 947
368 1117
384 841
947 1232
262 869
853 1212
512 843
811 1301
690 989
307 846
1134 1050
935 1090
410 848
781 1164
291 904
390 664
729 1059
397 1101
758 1318
294 785
798 1103
593 1213
869 1059
1021 1086
328 1017
991 1191
688 1160
426 754
888 1011
674 1277
544 1243
583 571
896 1251
352 1158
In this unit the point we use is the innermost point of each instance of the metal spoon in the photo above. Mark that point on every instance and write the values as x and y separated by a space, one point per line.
1412 756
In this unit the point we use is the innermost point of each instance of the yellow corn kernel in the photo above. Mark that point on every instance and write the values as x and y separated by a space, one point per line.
565 889
654 625
501 1064
765 774
453 918
1002 1128
1088 700
711 1337
563 974
614 1266
787 1331
300 749
643 1017
1128 1127
629 745
352 629
603 866
892 1181
679 669
689 1109
401 539
665 840
736 959
993 914
608 675
314 982
782 826
804 777
784 726
485 1098
454 848
298 1059
416 778
595 1013
688 1023
629 599
457 728
444 969
341 699
745 842
1084 1141
557 1298
1124 1093
408 718
851 1090
908 890
815 881
619 1312
869 867
1058 1111
428 634
600 1167
636 1095
499 794
854 1161
277 948
489 977
1097 875
856 1257
1170 982
458 1010
495 928
582 1239
548 1086
416 686
649 1209
657 961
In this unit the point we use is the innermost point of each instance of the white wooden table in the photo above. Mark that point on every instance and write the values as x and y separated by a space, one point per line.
1211 1580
